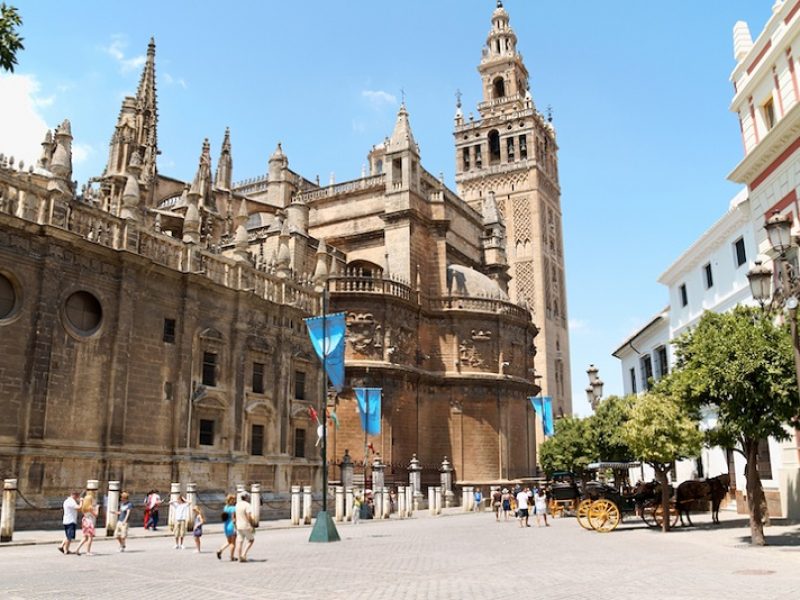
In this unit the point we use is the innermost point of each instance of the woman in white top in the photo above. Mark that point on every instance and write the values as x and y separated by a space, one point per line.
540 503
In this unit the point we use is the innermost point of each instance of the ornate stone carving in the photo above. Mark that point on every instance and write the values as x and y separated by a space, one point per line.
468 354
364 333
401 344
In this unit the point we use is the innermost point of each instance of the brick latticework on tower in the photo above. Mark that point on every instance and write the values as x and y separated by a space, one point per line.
511 152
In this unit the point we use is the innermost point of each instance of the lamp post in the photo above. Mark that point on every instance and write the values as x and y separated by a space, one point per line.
594 392
780 292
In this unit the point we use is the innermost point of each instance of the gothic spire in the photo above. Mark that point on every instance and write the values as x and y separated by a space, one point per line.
402 138
222 179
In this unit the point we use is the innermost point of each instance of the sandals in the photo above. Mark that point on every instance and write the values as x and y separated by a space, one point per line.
219 554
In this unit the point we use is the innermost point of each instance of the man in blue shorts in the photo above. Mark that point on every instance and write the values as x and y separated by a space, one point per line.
70 521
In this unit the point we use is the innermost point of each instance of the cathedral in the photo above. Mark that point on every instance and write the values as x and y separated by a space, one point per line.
154 327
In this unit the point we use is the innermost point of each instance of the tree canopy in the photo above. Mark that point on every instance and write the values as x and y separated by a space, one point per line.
10 40
741 365
572 447
608 425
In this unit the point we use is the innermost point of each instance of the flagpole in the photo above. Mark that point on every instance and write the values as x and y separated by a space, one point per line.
324 400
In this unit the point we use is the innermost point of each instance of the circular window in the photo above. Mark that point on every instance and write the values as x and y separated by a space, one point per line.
8 297
83 312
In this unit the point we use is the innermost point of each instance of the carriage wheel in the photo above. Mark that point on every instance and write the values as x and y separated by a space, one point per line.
604 516
658 516
582 514
648 515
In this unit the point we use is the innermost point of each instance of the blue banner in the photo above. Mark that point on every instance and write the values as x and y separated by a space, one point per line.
543 406
369 407
330 349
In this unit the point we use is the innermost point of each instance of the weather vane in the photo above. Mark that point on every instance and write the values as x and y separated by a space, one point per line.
458 98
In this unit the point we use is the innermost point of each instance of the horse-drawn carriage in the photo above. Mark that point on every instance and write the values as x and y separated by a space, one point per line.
600 506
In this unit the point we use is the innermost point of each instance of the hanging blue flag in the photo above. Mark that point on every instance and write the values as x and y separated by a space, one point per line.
332 328
543 406
547 419
369 407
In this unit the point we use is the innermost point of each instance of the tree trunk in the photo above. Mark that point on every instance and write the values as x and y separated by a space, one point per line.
755 494
661 477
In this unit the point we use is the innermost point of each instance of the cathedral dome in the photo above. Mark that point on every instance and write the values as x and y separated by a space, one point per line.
464 281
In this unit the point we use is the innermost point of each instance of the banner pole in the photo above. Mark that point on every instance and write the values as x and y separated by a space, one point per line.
324 399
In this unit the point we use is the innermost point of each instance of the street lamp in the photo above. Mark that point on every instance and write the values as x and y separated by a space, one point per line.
781 291
595 390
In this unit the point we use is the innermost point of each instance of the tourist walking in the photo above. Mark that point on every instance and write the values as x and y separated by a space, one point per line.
497 503
540 506
478 499
245 525
229 526
153 501
197 529
123 516
89 512
70 521
506 499
522 508
356 509
180 516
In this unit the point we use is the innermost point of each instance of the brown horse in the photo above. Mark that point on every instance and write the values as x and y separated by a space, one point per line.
691 491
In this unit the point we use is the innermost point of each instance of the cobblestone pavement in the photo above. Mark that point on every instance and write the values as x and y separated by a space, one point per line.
463 556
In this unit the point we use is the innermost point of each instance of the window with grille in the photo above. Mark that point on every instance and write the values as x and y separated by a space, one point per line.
257 440
210 368
258 378
206 430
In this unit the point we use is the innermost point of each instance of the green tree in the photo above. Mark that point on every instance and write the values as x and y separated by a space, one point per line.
659 432
10 41
572 447
740 365
608 425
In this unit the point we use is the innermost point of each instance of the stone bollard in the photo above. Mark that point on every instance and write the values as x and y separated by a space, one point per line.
377 497
174 493
464 501
446 478
387 503
348 504
432 500
415 482
339 495
255 502
191 499
409 501
347 471
295 510
437 492
307 505
112 508
240 489
470 498
401 501
9 509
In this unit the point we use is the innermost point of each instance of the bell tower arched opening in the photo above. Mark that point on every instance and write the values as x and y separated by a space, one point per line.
499 87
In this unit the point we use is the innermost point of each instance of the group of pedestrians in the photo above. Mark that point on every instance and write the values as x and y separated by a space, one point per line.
237 517
520 503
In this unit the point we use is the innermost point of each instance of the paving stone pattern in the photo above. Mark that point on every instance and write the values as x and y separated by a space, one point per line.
459 556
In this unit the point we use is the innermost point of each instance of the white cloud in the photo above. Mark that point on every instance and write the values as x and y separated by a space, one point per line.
80 152
170 80
577 324
22 124
378 98
116 50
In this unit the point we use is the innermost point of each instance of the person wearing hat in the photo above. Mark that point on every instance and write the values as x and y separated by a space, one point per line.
497 503
506 500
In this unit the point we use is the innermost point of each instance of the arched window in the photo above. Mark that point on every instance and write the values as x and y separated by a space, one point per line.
499 86
494 146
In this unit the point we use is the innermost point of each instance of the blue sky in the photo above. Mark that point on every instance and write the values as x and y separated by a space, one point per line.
639 91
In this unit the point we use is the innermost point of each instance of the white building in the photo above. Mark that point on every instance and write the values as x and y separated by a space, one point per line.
645 354
767 102
712 273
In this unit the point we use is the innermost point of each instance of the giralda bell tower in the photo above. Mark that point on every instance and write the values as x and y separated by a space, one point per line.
511 151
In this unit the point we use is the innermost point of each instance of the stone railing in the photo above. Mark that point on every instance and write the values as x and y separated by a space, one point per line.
100 227
355 281
346 187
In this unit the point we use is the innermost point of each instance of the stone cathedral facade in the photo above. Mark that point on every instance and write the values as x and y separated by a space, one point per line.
153 328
